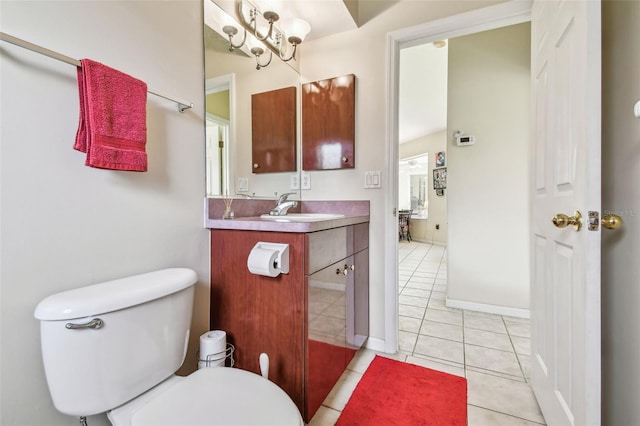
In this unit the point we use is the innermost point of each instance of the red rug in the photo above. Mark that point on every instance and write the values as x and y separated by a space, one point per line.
396 393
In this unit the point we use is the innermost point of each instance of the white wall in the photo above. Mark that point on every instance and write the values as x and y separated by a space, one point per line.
620 194
363 52
488 202
65 225
425 230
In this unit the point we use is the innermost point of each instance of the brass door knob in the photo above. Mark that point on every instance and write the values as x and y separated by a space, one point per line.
612 221
562 220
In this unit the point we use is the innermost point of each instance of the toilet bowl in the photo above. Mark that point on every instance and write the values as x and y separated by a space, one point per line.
210 396
114 348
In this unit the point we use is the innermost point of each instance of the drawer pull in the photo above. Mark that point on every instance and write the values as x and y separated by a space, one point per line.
344 271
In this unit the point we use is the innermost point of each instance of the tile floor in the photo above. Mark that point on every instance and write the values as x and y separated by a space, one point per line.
491 351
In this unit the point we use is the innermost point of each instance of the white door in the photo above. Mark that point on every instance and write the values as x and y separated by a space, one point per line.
565 363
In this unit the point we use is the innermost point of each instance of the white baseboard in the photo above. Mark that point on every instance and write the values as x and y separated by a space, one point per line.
375 344
489 309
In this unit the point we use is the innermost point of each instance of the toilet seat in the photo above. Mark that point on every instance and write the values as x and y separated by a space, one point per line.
218 396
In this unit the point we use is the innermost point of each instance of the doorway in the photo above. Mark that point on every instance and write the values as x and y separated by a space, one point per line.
468 23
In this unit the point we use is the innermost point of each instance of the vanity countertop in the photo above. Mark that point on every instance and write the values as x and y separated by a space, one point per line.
257 224
247 216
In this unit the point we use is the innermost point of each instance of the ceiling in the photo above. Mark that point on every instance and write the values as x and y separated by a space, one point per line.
422 96
423 68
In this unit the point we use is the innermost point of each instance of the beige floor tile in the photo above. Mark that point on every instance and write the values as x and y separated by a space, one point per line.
518 329
487 323
487 339
522 345
409 324
492 359
342 391
413 301
447 317
440 348
325 416
477 416
503 396
411 311
407 341
442 330
438 365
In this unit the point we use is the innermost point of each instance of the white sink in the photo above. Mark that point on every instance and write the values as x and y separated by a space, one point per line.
302 217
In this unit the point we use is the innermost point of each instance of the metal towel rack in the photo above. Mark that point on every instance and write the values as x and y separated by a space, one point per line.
182 105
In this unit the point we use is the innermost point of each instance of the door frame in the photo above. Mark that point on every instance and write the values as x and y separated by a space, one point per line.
489 18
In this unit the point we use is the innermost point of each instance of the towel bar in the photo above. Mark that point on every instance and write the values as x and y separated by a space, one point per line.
182 105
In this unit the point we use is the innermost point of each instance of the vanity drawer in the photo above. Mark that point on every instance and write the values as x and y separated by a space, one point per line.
327 247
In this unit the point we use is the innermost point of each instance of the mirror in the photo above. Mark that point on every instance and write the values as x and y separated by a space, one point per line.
230 80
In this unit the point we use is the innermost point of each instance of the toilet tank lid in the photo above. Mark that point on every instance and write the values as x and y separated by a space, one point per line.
114 295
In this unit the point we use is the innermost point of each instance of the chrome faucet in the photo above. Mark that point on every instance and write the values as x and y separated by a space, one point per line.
283 205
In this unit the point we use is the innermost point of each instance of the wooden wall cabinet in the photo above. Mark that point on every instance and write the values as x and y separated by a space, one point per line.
310 321
328 124
273 131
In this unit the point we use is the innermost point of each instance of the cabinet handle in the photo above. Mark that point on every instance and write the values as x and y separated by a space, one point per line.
256 165
344 271
345 160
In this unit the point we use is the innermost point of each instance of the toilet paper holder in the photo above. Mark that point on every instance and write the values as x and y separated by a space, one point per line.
282 260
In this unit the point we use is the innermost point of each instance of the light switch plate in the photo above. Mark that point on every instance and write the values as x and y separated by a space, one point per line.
372 180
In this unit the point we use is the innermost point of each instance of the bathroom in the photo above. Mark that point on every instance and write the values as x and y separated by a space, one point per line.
65 225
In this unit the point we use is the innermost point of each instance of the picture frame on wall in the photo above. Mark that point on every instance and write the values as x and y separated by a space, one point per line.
440 178
440 159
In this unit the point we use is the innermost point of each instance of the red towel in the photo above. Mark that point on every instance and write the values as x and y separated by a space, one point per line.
113 118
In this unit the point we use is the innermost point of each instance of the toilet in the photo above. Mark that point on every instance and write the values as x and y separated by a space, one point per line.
114 348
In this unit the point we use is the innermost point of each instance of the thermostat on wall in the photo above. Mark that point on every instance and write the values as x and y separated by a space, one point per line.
465 140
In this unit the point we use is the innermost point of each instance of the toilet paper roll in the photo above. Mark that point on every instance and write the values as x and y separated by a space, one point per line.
213 346
263 262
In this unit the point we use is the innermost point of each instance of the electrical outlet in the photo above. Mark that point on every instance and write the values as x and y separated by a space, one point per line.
243 184
295 182
305 180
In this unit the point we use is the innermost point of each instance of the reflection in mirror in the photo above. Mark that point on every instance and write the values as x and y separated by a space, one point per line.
218 134
237 70
413 181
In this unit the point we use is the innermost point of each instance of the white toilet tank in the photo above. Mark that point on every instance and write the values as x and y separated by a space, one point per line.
142 339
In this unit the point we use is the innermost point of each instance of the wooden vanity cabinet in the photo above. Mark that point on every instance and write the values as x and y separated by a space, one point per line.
310 321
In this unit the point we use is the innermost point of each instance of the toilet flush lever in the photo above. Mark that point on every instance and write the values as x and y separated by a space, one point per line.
94 324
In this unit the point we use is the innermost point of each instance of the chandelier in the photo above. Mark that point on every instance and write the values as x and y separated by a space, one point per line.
266 30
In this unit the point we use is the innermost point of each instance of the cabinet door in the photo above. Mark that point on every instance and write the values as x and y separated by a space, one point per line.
273 131
327 350
357 330
328 123
259 313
